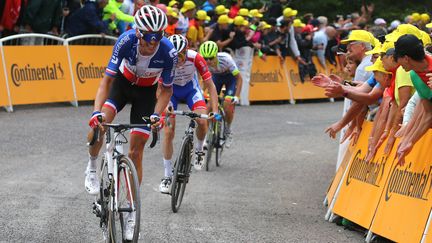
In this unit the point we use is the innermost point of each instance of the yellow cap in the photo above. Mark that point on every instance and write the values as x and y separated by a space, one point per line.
404 29
202 15
375 50
426 39
239 20
377 66
246 23
243 12
224 19
298 23
220 9
172 3
429 25
386 46
187 5
173 12
416 17
255 13
289 12
425 18
359 35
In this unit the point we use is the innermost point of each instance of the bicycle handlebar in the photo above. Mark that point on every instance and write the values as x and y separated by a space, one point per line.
122 128
190 114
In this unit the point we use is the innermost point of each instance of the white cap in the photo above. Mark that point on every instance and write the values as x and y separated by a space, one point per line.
379 21
394 24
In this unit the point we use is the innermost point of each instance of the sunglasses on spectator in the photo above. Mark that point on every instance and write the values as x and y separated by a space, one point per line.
151 36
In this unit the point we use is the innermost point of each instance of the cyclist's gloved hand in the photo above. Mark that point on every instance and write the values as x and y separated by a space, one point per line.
96 119
216 116
155 120
235 100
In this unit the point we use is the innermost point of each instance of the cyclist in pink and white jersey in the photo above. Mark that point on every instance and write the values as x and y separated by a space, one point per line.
186 88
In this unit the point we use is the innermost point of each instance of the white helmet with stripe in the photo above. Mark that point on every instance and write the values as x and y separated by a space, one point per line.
179 42
150 18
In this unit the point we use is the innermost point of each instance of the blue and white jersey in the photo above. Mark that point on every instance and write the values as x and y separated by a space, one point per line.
225 65
142 70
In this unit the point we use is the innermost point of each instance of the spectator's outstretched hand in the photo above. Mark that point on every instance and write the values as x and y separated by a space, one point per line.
333 129
321 80
336 78
334 90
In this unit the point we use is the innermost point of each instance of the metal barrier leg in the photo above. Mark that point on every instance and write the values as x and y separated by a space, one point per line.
74 103
427 227
369 236
8 108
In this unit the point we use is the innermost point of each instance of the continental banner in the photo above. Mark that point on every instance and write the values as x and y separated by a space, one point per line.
268 81
363 182
303 90
38 74
407 199
3 89
88 67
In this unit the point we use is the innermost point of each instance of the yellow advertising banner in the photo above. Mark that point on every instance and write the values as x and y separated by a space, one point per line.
302 90
88 67
38 74
339 174
363 183
407 199
4 101
268 81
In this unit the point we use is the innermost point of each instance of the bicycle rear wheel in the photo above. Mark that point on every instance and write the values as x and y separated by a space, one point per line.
129 203
210 144
182 168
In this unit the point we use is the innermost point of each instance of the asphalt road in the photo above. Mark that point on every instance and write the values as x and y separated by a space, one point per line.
269 189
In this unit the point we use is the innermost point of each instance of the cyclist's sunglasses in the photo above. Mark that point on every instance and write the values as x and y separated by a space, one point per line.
151 36
209 58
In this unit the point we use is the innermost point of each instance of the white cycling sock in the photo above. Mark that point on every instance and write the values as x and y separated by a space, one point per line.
168 168
200 145
92 164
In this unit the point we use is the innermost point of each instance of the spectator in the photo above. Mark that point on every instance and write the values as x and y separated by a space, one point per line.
289 44
244 12
88 19
43 16
195 34
320 40
256 16
239 40
8 21
221 33
271 40
172 16
275 9
114 8
304 42
235 8
209 5
186 12
331 34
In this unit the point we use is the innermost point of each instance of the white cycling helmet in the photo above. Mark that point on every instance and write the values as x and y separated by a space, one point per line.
179 42
150 18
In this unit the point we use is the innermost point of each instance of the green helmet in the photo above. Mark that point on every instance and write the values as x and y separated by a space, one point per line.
208 49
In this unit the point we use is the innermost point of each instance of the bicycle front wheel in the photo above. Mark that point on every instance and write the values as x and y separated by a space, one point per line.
220 141
182 168
128 202
210 144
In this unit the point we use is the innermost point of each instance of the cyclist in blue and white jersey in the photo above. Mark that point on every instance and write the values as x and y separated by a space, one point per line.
186 88
225 73
140 58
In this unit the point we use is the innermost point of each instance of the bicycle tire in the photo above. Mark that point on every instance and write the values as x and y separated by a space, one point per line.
210 145
126 169
103 200
220 138
182 168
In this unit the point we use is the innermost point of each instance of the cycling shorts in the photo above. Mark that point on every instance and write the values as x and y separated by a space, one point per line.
226 79
190 93
142 99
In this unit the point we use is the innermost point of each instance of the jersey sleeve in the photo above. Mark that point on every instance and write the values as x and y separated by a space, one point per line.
121 47
169 70
202 68
233 66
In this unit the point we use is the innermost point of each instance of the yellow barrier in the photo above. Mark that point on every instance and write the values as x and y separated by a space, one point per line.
88 67
392 201
407 199
3 88
38 74
268 80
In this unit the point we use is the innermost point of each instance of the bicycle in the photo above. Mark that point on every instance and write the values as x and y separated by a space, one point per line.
117 169
216 135
183 164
